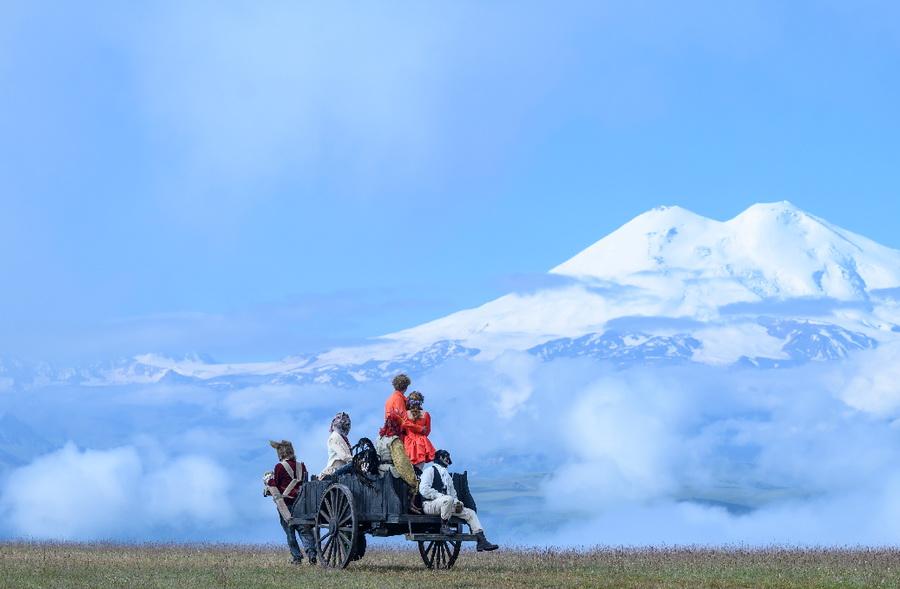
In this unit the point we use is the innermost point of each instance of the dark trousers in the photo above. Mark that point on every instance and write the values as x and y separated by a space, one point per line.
306 537
346 469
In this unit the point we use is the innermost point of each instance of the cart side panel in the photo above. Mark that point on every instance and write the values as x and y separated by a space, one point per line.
461 484
397 493
371 501
384 501
307 504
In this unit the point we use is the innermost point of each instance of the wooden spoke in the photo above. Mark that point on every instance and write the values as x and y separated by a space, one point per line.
345 545
336 528
328 543
337 550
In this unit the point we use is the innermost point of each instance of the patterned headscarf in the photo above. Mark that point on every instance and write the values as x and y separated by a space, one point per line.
415 400
341 425
414 405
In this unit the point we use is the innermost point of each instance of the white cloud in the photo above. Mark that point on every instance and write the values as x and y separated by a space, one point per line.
74 494
192 490
873 385
618 438
645 455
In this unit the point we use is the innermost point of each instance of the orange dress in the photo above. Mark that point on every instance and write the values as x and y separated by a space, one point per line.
418 447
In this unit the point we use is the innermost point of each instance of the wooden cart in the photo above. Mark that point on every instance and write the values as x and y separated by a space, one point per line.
343 511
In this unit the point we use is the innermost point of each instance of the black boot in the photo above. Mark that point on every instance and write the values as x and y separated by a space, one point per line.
483 544
447 530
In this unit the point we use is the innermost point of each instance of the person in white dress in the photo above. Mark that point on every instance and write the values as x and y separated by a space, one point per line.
339 453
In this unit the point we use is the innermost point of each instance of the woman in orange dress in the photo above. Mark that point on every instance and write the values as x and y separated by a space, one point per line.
416 429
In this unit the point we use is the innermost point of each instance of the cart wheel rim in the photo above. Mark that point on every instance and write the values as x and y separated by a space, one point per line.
336 527
439 554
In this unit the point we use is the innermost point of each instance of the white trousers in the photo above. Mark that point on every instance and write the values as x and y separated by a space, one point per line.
444 507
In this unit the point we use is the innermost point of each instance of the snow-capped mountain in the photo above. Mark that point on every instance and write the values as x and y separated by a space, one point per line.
671 263
772 287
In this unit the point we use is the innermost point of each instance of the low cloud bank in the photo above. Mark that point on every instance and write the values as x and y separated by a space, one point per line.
568 452
74 494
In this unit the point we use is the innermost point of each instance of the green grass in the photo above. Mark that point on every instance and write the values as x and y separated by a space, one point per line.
101 566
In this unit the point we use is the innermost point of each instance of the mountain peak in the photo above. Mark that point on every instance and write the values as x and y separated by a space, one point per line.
783 212
637 245
770 250
777 206
668 215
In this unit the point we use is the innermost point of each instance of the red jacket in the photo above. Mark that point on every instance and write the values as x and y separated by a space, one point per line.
418 447
395 405
283 479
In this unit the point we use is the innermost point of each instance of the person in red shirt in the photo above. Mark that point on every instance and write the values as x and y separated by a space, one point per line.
416 428
395 406
283 483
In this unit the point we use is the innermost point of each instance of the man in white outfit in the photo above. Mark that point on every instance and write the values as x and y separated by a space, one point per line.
436 487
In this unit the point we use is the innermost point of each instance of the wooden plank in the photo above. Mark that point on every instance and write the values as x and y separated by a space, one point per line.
440 537
420 519
426 519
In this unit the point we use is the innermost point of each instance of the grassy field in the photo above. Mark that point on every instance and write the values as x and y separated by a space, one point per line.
100 566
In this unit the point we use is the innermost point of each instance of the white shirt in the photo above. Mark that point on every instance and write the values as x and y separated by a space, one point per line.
338 453
426 482
383 448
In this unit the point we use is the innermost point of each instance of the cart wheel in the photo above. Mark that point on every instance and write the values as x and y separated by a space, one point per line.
336 530
439 554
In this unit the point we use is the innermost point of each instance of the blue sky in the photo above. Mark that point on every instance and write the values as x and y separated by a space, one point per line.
254 181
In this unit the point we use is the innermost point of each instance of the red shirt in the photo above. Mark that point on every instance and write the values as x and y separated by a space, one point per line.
283 479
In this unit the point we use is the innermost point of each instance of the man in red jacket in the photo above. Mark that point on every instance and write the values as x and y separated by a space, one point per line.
283 484
395 406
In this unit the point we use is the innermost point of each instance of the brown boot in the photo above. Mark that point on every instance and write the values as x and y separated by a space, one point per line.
413 505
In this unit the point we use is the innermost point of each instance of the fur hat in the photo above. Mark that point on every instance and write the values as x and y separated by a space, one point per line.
401 382
284 448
